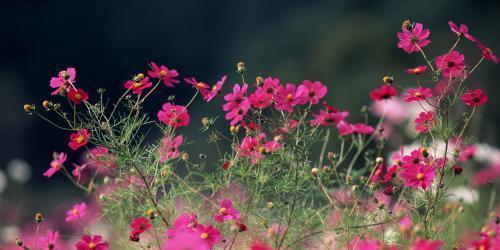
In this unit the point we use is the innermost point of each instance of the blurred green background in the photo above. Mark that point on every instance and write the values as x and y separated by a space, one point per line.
348 45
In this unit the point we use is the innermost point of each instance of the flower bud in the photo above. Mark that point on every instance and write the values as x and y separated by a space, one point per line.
331 156
388 79
424 152
139 77
407 25
354 188
389 190
134 237
348 179
379 160
234 129
205 121
227 165
18 241
185 156
47 105
314 172
28 107
326 168
240 67
259 81
38 217
457 170
202 156
151 214
269 205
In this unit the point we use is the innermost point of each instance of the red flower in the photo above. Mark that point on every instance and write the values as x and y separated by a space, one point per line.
474 98
79 139
419 94
411 39
383 93
462 31
389 190
457 170
77 95
174 115
166 75
140 225
487 53
417 70
91 243
424 121
451 64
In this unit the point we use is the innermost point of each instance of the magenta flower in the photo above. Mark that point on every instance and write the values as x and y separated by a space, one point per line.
169 148
138 86
100 156
286 98
361 128
216 89
236 115
249 148
451 64
423 244
91 243
173 115
411 39
237 104
474 98
226 212
328 118
77 95
385 92
462 31
200 86
424 121
405 224
413 159
487 53
467 153
420 175
190 240
56 164
420 94
311 92
168 76
77 212
417 70
345 128
50 240
79 139
270 86
61 82
209 234
140 225
182 223
260 99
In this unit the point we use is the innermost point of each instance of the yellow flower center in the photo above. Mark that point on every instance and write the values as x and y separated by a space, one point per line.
417 70
214 87
420 176
418 94
75 211
92 245
204 235
56 165
137 84
78 96
223 210
200 85
79 139
163 73
289 97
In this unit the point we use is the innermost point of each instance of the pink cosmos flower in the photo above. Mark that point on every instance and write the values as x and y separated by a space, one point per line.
345 128
91 243
411 39
451 64
188 240
100 156
420 94
405 224
79 139
327 118
487 52
77 212
259 245
364 244
361 128
77 95
486 175
423 244
226 212
209 234
61 82
50 240
200 86
474 98
216 89
287 98
168 76
424 121
383 93
270 86
140 225
56 164
417 70
237 114
173 115
421 175
467 153
390 173
237 104
169 148
462 31
260 99
413 159
182 223
311 92
138 86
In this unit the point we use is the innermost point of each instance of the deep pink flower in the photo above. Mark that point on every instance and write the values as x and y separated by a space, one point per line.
467 153
226 212
216 89
420 94
236 115
420 175
462 31
487 52
259 245
100 156
411 39
79 139
184 222
270 86
383 93
424 121
361 128
61 82
423 244
413 159
169 148
417 70
56 164
140 225
311 92
287 98
237 104
91 243
364 244
77 95
50 240
482 244
327 118
405 224
209 234
345 128
474 98
138 85
77 212
173 115
188 240
451 64
204 88
390 173
168 76
486 175
260 99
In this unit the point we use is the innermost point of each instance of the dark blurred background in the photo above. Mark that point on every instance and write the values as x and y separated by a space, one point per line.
348 45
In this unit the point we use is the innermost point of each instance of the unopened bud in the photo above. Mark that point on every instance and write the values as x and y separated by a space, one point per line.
388 79
234 129
269 205
151 214
259 81
314 172
354 188
47 105
379 160
457 170
28 107
185 156
407 25
205 121
326 168
348 179
424 152
240 67
139 77
38 217
331 156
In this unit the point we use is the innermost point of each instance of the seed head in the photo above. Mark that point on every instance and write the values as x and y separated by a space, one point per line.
28 107
240 67
388 79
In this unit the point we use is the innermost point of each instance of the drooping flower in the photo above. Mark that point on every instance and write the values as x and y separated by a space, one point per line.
487 52
420 175
216 89
385 92
79 139
50 240
452 64
204 88
227 212
424 121
287 98
140 225
364 244
169 148
168 76
462 31
419 94
474 98
361 128
55 164
173 115
61 82
311 92
417 70
77 95
138 84
423 244
92 243
77 212
412 38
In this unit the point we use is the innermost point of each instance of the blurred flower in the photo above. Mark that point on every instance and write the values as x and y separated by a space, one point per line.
169 147
50 240
385 92
487 53
226 212
423 244
19 170
462 31
417 70
77 212
364 244
416 95
56 164
463 194
91 243
216 89
140 225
